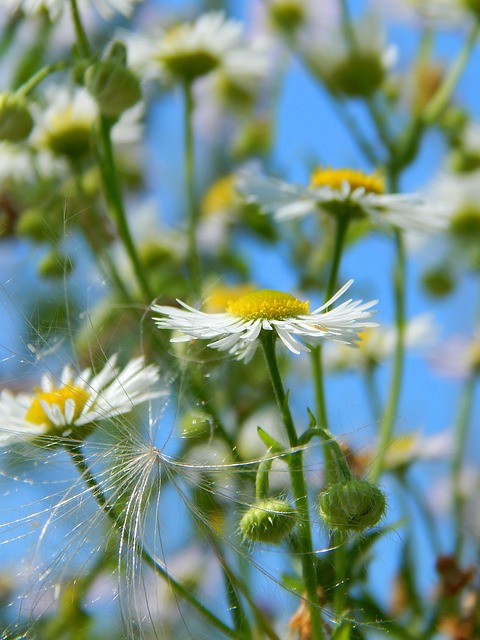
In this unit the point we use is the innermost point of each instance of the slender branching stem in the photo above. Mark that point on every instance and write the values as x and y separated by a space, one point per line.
299 486
390 411
189 159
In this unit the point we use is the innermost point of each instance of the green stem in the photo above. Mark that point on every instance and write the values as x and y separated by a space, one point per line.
347 25
38 77
190 189
446 89
76 453
82 39
115 201
299 487
342 221
388 418
461 432
340 561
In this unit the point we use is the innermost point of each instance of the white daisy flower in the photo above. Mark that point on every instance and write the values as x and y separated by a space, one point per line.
67 124
376 346
458 356
56 7
331 188
337 63
76 400
192 50
447 13
238 329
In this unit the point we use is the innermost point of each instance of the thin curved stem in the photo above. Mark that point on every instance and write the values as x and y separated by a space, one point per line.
80 32
115 201
190 189
461 432
299 486
76 453
388 418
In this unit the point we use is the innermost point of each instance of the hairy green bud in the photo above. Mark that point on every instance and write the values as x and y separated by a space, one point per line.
16 121
353 505
268 521
115 88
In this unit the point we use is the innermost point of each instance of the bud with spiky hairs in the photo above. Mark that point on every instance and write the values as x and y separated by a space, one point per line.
352 505
269 521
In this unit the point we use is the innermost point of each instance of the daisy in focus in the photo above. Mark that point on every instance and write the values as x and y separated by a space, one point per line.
341 192
56 407
56 7
239 329
192 50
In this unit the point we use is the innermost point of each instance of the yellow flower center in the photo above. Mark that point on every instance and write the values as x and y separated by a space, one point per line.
220 297
267 305
36 413
334 178
220 197
69 134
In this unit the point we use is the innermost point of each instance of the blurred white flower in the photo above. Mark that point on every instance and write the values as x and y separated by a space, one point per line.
445 13
75 400
55 7
20 164
66 125
457 356
333 188
407 448
238 329
377 345
355 68
192 50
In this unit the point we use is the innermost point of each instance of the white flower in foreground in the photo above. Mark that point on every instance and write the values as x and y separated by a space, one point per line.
331 191
192 50
55 7
238 329
76 400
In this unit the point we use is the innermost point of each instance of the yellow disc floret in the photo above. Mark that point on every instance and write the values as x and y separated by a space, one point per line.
36 413
221 196
267 305
334 178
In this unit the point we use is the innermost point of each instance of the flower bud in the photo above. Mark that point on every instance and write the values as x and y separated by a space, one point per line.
287 15
55 265
196 425
465 223
268 521
353 505
346 79
438 281
15 119
33 224
114 87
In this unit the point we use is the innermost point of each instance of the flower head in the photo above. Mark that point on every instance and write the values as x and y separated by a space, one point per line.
192 50
56 407
238 329
56 7
352 71
330 190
